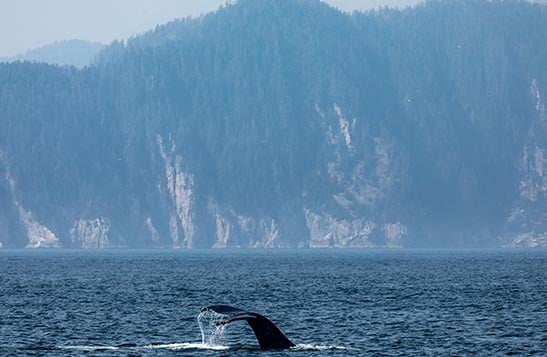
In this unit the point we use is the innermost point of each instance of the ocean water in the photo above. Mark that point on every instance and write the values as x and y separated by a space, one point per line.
328 302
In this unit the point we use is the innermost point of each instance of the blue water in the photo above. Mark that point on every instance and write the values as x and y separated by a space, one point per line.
328 302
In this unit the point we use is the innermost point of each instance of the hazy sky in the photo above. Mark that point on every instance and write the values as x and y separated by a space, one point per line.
28 24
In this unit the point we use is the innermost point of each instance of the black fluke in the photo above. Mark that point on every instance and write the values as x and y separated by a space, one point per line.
268 335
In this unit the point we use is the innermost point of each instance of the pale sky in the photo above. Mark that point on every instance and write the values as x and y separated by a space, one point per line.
26 24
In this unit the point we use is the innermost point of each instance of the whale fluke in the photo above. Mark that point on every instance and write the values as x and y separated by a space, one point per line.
268 335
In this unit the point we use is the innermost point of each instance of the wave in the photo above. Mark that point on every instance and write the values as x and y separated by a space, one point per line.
307 347
189 346
186 346
88 348
167 346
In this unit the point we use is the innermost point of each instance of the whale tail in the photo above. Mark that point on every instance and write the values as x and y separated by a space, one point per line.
269 336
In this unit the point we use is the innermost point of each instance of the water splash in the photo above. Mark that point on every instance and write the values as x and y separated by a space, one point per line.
213 337
212 334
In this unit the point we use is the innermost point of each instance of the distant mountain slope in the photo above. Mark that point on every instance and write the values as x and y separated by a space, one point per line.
286 123
75 53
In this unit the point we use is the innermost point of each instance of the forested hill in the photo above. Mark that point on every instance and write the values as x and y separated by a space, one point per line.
76 53
286 123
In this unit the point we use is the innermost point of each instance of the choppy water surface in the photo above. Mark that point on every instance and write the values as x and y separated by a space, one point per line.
328 302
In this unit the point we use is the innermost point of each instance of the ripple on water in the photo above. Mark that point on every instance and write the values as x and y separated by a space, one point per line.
330 302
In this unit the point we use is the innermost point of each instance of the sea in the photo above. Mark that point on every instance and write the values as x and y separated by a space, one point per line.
328 302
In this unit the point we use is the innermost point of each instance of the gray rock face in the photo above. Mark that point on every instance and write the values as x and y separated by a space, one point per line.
526 225
91 233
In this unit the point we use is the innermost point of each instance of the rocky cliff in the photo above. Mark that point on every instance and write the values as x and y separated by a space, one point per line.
287 124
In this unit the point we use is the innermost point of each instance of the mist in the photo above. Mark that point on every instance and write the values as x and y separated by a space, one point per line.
27 24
